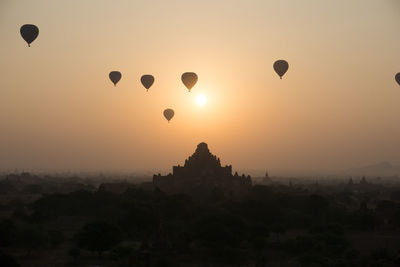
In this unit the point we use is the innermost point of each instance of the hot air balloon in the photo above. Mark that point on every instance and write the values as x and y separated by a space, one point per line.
281 67
189 79
29 32
115 76
147 81
168 114
397 77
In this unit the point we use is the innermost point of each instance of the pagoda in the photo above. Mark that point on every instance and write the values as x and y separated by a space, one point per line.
202 174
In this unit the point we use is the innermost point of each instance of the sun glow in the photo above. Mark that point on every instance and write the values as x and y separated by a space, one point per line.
201 100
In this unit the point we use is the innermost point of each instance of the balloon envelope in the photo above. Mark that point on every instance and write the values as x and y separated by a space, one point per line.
398 78
147 80
281 67
189 79
168 114
115 76
29 32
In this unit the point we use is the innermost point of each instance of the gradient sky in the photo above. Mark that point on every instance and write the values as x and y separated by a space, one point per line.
338 106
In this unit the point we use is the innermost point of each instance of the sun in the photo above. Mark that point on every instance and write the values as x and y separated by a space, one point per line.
201 100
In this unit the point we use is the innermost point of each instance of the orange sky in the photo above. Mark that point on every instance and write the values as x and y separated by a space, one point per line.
337 106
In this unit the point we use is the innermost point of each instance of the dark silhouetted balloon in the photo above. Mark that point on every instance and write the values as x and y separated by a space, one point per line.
189 79
168 114
147 81
397 77
281 67
115 76
29 32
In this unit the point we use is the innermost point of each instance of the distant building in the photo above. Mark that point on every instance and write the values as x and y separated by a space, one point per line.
266 180
363 181
201 175
350 183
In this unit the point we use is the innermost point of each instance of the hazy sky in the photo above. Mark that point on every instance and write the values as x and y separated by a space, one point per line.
338 106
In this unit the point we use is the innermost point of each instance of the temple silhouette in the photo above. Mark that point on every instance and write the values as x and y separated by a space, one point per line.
202 175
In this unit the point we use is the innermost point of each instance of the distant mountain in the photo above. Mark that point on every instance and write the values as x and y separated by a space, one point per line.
380 169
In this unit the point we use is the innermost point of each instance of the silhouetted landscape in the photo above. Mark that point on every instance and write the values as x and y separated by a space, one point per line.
199 215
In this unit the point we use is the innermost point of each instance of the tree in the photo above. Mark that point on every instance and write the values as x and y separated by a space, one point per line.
74 253
278 230
7 232
123 254
32 237
141 221
7 260
55 238
98 236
